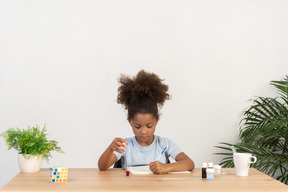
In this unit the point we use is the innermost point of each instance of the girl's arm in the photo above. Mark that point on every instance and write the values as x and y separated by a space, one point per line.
183 163
108 158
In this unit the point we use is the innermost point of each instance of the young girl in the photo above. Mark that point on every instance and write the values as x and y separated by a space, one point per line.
141 97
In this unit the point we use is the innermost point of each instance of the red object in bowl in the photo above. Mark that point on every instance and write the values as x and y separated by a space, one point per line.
127 173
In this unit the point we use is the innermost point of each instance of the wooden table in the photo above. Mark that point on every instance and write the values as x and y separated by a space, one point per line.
116 180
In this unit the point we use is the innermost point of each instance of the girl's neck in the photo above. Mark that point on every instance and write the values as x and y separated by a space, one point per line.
145 144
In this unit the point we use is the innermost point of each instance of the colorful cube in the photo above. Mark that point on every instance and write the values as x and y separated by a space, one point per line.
58 174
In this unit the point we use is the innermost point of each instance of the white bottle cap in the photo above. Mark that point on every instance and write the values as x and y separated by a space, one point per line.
204 165
210 164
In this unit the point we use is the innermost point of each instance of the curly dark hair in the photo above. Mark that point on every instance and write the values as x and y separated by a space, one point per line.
143 93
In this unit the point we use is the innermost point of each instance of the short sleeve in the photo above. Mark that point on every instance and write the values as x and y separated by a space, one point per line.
118 155
173 150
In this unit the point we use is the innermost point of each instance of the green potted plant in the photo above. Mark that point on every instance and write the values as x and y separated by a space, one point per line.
32 145
264 133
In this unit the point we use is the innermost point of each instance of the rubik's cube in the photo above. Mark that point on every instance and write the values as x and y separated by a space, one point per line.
58 174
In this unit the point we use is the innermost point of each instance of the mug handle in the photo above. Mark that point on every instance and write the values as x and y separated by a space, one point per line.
254 158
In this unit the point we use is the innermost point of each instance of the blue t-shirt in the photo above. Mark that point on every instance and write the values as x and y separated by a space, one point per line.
138 155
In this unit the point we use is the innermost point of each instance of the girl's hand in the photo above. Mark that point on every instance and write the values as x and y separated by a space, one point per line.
158 168
118 145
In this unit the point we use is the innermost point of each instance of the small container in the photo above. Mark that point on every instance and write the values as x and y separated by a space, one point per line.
204 167
210 174
217 169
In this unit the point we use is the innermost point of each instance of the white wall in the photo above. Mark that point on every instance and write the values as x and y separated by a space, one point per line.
60 61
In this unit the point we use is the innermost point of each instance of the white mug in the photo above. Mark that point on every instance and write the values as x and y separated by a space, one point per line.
242 162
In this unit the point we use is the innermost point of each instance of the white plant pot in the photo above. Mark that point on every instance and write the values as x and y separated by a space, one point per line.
29 164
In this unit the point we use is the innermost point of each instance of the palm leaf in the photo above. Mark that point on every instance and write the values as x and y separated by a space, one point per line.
282 86
264 133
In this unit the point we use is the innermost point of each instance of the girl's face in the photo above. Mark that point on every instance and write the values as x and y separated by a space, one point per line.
143 125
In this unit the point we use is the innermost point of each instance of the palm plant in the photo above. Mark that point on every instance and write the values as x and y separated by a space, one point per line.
264 133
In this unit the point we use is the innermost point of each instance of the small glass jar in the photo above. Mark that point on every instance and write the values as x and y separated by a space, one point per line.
217 169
